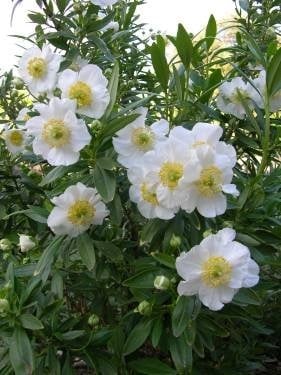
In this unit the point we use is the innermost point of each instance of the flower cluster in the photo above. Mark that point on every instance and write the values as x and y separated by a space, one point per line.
235 95
186 170
216 269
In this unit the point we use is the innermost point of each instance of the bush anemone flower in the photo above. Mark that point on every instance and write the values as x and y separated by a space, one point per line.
76 210
58 134
15 140
216 269
133 141
88 88
38 68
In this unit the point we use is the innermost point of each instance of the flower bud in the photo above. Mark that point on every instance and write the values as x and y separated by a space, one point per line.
25 243
18 83
93 320
4 305
207 233
175 241
5 244
161 282
144 308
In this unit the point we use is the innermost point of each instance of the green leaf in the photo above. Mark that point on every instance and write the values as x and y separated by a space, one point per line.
20 353
109 250
105 183
113 89
156 332
142 280
165 259
181 353
247 296
29 321
57 284
37 18
182 314
86 250
137 336
62 5
211 31
38 214
53 175
159 62
274 74
183 44
71 335
151 366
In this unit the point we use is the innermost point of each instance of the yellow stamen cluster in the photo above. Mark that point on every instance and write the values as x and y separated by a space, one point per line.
143 138
209 183
81 92
55 133
216 272
148 195
81 213
170 173
16 137
37 67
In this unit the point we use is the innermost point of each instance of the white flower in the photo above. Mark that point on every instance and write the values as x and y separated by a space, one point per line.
216 269
15 140
166 169
205 180
23 115
38 68
112 25
133 141
76 210
88 88
78 63
58 134
204 134
143 193
230 97
104 3
258 96
25 243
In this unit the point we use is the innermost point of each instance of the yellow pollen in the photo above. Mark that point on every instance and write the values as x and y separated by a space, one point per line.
148 195
199 143
55 133
16 137
37 67
216 272
143 138
170 173
209 183
81 92
81 213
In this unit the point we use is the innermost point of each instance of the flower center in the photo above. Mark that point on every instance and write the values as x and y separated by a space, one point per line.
16 137
216 272
148 195
81 213
143 138
209 183
37 67
55 133
238 96
82 93
170 173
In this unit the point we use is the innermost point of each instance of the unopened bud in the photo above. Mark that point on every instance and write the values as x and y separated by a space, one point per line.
161 282
4 305
26 243
93 320
18 83
5 244
144 308
175 241
207 233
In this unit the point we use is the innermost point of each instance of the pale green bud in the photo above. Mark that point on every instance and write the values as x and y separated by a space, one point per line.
161 282
93 320
5 244
175 241
4 305
144 308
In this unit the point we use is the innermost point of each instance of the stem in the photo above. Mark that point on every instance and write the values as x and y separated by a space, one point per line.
266 140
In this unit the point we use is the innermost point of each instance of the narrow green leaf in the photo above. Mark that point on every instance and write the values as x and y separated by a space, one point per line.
182 314
211 31
105 183
113 89
274 74
86 250
181 353
160 64
29 321
20 353
137 336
